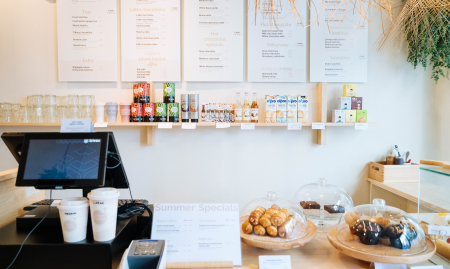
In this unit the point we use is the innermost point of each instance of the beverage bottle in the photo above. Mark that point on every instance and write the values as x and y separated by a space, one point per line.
238 109
203 113
246 109
254 109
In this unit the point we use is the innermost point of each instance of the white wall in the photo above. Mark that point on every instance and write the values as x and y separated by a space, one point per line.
208 165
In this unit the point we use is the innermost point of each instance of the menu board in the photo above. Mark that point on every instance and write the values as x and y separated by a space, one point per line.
87 40
198 232
151 36
213 40
338 50
276 43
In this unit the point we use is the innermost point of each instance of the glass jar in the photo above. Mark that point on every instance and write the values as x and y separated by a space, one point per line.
382 230
7 112
16 113
324 203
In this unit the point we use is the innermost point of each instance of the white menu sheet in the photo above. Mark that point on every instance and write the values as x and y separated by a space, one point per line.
87 40
151 40
214 40
338 50
198 232
276 45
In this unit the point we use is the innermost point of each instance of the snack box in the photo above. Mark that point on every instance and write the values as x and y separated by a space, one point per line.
350 116
291 108
345 103
350 90
356 103
361 115
271 109
302 111
281 108
338 116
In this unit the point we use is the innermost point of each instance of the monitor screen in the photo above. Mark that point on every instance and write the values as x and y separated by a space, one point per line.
62 159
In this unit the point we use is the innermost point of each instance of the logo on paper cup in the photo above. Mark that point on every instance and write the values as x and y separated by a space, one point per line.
99 217
70 225
133 110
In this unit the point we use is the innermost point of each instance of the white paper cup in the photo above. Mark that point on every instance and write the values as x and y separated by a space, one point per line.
73 213
99 112
125 111
103 204
111 111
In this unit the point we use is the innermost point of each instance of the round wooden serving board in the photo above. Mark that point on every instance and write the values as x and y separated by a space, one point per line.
279 243
371 257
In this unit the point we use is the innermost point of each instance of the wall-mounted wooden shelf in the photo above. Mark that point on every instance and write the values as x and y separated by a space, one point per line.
152 126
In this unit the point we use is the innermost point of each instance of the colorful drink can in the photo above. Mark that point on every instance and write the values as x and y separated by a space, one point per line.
141 93
136 112
161 112
174 112
149 112
169 92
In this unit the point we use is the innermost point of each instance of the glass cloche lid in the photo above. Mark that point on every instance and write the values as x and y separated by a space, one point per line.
273 218
381 229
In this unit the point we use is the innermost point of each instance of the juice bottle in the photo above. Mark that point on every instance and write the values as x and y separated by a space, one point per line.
246 109
238 110
254 109
203 113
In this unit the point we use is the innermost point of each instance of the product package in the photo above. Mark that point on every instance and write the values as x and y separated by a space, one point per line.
231 116
338 116
212 115
281 108
350 116
185 108
169 92
149 112
141 93
361 115
220 112
136 112
302 113
356 103
271 109
292 108
345 103
193 107
174 112
161 112
350 90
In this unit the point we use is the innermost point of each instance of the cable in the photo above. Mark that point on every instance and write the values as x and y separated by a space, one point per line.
120 162
21 246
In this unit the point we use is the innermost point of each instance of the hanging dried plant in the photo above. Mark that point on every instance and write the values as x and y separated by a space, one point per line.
425 26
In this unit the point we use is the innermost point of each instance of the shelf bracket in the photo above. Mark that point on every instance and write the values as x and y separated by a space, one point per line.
322 112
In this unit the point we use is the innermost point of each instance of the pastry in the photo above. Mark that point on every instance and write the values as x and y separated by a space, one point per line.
271 211
260 209
272 231
278 218
286 211
384 240
401 242
254 217
334 209
394 231
265 221
259 230
287 228
247 228
368 232
309 205
410 231
351 218
276 207
384 222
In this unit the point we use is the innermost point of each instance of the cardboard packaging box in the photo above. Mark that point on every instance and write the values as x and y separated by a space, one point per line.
271 109
356 103
302 111
338 116
292 109
281 108
345 103
350 116
361 115
350 90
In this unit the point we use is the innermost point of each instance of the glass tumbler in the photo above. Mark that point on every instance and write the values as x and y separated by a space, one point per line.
7 112
1 112
16 113
38 103
25 113
72 100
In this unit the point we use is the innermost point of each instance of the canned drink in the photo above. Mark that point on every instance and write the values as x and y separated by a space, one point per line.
193 107
149 112
169 92
161 112
141 93
174 112
185 108
136 112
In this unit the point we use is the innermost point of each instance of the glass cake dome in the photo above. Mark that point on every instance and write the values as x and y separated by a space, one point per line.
273 219
323 202
381 229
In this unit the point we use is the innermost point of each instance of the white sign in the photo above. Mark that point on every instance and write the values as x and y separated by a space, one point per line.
277 46
100 124
198 232
294 126
439 230
389 266
151 40
186 125
338 42
76 126
275 262
87 40
318 125
220 125
428 267
213 40
361 126
164 125
247 126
